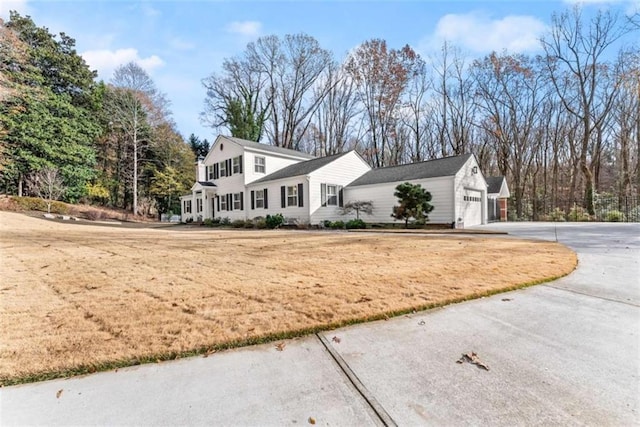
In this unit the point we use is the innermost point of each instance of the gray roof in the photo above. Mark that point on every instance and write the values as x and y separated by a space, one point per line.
302 168
430 169
206 184
494 184
266 147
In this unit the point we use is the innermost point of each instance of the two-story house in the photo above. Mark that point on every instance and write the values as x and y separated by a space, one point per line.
241 179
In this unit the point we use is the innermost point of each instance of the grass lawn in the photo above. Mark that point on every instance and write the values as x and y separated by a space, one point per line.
80 298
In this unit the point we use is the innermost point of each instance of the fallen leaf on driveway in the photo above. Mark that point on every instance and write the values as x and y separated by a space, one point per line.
209 352
58 394
336 340
473 359
280 346
506 299
312 420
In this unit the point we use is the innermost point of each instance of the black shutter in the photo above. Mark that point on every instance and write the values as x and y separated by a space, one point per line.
266 204
300 196
340 197
216 171
218 202
229 167
241 200
240 157
253 204
229 202
283 196
323 194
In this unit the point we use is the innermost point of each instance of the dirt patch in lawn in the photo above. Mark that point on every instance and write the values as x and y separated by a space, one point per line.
78 298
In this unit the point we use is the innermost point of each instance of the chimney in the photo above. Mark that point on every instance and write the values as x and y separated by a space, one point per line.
200 170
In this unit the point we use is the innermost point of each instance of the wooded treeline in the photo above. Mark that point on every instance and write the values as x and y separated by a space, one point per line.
562 126
113 143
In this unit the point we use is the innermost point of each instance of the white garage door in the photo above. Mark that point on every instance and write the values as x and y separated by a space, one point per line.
472 207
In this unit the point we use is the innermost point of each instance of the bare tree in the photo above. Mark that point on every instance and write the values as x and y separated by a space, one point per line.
582 80
381 75
237 99
511 91
333 125
626 114
293 67
414 110
357 206
47 184
134 104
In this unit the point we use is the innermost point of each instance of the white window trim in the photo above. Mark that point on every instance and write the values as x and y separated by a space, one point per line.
223 203
223 168
333 196
198 205
237 205
235 165
292 196
259 199
258 165
187 206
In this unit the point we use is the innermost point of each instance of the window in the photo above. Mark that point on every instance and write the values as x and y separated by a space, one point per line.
223 203
259 199
210 173
260 164
237 201
292 196
236 165
332 195
198 205
187 206
223 168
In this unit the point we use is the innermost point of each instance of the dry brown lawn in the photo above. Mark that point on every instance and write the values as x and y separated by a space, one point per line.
75 296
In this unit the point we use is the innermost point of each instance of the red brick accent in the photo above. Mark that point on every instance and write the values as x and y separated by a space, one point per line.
503 209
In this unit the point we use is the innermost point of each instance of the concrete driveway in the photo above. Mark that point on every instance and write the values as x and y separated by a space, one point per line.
566 352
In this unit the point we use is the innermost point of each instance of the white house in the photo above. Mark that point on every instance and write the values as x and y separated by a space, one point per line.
457 186
241 179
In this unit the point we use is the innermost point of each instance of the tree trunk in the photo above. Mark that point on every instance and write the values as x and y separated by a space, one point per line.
135 171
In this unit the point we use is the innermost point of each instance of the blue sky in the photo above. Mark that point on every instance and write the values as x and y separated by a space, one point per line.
181 42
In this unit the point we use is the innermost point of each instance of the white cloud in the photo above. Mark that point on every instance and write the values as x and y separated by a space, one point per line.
480 33
244 28
19 6
105 61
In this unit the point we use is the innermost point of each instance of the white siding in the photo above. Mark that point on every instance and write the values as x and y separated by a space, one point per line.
381 195
342 171
273 162
184 216
291 213
467 179
224 149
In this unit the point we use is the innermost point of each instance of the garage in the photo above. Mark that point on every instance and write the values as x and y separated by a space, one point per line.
471 207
